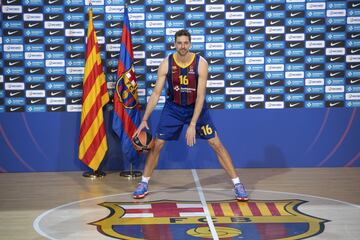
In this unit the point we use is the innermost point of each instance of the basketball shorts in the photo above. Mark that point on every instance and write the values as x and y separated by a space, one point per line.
174 117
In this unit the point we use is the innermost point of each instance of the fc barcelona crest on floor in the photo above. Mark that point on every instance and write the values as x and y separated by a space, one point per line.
256 219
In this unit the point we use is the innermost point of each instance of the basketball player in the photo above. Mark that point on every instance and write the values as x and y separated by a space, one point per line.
186 75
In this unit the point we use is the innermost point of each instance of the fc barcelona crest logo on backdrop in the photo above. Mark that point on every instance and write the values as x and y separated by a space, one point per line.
126 89
256 219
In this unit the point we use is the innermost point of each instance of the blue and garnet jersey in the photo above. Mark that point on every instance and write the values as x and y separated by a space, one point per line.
182 81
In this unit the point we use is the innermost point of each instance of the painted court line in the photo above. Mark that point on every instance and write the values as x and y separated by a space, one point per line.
204 205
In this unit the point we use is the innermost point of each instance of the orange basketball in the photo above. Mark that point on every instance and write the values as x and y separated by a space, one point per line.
143 141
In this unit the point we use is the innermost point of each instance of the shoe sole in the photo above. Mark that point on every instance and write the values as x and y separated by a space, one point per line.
243 199
140 196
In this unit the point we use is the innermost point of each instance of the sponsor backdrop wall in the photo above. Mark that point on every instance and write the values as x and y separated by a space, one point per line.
284 78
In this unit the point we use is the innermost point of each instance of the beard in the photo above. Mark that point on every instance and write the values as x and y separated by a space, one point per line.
183 52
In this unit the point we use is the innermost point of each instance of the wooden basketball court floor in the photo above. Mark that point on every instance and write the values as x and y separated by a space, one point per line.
300 203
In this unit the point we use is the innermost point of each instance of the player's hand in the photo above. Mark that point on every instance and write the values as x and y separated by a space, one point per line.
142 125
190 136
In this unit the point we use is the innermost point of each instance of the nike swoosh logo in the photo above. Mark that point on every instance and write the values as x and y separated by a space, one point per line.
274 7
315 21
75 101
234 23
54 32
234 7
14 94
234 68
13 78
334 59
214 31
153 69
72 40
152 85
173 1
252 76
355 4
174 16
34 86
354 81
273 83
33 25
53 17
54 93
114 40
254 15
214 91
254 105
294 14
194 8
273 53
294 104
313 97
154 9
234 98
54 78
154 39
354 51
294 89
34 40
334 104
234 83
294 44
234 38
254 45
334 74
13 63
51 2
117 24
214 61
10 1
12 32
35 101
313 37
214 16
274 22
74 55
214 106
32 9
334 44
294 59
354 66
136 62
55 108
154 54
273 97
355 35
114 54
14 109
135 32
53 48
294 29
136 47
73 9
11 17
313 67
334 28
254 30
313 52
214 76
75 85
194 24
133 1
254 90
74 24
274 37
113 70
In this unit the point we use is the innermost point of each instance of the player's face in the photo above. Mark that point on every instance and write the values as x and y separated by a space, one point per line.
182 45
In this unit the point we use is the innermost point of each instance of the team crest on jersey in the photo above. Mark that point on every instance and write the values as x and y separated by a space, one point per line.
126 89
256 219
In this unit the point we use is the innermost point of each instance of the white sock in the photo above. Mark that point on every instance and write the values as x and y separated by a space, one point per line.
145 179
235 180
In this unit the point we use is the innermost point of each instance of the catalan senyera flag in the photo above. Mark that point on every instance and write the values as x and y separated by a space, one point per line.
126 106
93 143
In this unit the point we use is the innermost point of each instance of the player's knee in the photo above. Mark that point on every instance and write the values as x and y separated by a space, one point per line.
159 144
215 143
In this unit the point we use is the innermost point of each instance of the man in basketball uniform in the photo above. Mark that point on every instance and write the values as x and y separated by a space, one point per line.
186 75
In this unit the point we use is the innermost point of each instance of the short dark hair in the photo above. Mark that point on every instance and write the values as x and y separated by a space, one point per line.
183 32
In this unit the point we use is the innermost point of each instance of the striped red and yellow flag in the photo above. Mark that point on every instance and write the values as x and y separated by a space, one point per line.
93 143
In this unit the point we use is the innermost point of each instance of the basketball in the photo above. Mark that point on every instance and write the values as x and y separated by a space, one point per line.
143 141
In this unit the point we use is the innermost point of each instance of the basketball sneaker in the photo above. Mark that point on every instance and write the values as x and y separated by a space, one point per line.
240 192
141 190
